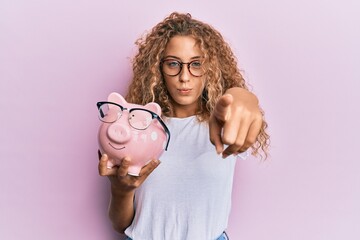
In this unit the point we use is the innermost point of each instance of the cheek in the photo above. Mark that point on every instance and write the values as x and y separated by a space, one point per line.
201 86
168 81
170 85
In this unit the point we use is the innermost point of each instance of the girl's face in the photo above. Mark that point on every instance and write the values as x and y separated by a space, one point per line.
185 89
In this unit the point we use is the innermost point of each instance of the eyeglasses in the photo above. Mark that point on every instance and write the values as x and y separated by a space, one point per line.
139 118
172 67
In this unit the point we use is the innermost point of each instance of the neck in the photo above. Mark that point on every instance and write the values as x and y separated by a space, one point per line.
183 112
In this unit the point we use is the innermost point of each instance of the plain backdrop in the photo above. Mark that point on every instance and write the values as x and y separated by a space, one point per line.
302 59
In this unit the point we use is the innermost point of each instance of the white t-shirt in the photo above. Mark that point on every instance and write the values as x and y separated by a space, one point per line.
189 195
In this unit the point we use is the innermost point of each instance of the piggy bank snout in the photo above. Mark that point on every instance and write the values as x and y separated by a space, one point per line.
118 132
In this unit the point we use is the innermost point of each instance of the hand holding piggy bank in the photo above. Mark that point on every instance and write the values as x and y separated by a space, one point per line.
131 130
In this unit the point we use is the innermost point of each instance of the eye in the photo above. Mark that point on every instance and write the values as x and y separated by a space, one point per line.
195 64
172 64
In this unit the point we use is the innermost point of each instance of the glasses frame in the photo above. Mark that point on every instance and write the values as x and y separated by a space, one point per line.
181 67
153 116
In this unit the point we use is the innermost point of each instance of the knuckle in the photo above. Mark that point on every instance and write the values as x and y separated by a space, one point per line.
124 164
102 173
154 163
121 174
259 117
243 148
239 143
136 184
228 140
250 141
240 109
248 144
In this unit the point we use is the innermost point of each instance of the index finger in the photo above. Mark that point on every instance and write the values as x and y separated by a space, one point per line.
222 111
215 131
124 166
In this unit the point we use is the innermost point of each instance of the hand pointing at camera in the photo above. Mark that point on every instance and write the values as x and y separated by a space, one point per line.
236 121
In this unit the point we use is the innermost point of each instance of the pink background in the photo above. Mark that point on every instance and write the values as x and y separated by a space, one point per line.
57 58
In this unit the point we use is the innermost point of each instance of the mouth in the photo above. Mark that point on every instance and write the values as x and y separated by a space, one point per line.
116 148
184 90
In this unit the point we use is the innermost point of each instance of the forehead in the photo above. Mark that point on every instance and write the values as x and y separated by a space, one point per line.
183 47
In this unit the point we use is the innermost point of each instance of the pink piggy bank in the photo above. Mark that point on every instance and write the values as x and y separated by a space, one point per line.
131 130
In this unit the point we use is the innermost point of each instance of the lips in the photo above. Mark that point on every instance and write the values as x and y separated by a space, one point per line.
116 148
184 90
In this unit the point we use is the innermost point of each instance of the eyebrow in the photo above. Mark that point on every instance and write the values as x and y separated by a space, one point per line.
171 56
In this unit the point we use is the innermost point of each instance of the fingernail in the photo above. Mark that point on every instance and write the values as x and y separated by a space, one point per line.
156 161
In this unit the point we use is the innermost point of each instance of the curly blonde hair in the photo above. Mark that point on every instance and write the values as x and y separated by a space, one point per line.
222 70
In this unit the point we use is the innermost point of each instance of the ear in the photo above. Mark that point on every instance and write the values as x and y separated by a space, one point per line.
154 107
117 98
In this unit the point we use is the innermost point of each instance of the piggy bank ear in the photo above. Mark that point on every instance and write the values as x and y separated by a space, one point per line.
117 98
154 107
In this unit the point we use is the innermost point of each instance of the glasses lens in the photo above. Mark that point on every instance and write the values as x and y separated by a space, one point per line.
140 119
109 112
171 67
196 68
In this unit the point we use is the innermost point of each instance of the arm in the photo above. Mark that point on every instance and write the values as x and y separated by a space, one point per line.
235 121
121 208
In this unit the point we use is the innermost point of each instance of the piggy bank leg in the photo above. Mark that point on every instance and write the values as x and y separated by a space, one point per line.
134 170
110 164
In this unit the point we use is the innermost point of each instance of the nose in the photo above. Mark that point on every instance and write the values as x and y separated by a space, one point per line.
119 133
185 74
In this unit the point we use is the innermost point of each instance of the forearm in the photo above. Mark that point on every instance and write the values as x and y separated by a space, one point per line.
121 209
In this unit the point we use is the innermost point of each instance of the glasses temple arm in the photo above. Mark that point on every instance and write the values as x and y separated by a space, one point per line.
166 130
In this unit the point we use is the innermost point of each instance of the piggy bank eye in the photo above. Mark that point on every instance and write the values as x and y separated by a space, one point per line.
140 119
